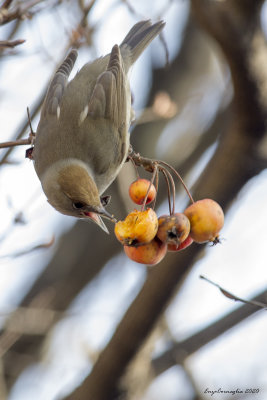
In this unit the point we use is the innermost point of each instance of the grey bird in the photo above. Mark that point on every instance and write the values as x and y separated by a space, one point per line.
82 139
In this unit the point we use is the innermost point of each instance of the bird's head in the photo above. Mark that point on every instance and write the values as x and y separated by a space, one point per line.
71 190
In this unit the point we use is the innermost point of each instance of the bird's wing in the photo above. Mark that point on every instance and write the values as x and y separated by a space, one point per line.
109 96
104 121
58 84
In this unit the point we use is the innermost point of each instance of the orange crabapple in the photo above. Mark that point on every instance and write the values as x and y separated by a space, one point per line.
138 191
187 242
150 253
173 229
138 227
206 219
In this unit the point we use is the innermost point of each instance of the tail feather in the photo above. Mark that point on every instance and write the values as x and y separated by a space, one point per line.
138 39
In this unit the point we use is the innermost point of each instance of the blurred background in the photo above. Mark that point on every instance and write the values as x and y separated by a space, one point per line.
79 320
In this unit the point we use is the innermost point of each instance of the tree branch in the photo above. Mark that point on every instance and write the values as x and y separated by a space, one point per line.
11 43
13 143
19 11
180 351
6 3
232 296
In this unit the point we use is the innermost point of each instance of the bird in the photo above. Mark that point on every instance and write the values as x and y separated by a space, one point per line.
82 139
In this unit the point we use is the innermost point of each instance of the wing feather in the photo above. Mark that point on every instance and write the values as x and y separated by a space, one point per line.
58 84
108 99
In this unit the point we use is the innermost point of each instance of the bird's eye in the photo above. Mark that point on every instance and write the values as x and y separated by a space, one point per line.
77 205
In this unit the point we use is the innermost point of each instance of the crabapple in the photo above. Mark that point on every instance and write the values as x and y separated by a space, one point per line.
138 227
150 253
206 219
138 191
173 229
181 246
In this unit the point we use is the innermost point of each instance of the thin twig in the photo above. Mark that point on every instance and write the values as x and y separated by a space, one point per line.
135 167
6 3
146 163
19 142
86 10
149 165
166 50
150 184
36 107
172 211
30 121
17 12
233 296
157 188
179 177
34 110
132 10
34 248
11 43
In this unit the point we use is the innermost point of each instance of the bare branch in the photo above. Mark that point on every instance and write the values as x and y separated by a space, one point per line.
7 3
31 320
35 108
11 43
32 249
32 134
13 143
178 352
19 11
150 165
132 10
233 296
40 301
86 10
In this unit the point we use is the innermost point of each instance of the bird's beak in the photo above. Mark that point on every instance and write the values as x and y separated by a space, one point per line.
96 218
104 213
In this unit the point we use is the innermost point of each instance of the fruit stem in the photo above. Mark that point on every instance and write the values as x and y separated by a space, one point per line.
179 177
150 184
135 167
157 187
149 165
167 177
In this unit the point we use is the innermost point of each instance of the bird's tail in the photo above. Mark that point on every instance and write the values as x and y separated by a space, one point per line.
138 39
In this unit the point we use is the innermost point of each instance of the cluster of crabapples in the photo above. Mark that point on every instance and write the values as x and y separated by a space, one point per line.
147 238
